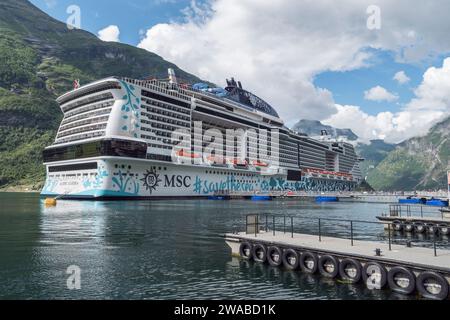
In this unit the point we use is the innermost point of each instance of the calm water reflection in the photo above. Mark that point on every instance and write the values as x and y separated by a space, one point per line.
159 250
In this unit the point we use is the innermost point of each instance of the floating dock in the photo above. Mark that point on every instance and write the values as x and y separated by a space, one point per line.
403 268
416 219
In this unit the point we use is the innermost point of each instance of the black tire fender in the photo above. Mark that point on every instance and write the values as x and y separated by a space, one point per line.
408 226
422 285
432 228
406 274
288 257
332 262
374 275
444 229
245 250
397 225
343 268
309 262
259 253
419 227
272 253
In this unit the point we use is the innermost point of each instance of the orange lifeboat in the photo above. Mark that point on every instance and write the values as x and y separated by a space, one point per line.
185 154
260 164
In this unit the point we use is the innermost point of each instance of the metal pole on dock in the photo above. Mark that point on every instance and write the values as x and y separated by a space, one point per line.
284 224
292 227
273 225
267 222
389 232
351 231
320 231
434 245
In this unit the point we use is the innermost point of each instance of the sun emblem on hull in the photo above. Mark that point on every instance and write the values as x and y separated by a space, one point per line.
151 180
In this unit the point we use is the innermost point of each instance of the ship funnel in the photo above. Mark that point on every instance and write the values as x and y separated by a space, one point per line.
172 76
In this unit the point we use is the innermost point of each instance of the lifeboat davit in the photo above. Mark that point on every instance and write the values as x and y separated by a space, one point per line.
238 163
216 161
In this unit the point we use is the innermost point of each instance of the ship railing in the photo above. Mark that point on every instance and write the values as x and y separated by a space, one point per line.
162 87
403 210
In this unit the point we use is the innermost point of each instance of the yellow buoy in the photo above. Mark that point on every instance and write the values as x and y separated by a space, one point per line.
50 202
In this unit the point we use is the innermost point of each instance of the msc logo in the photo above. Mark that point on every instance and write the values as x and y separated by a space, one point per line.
151 180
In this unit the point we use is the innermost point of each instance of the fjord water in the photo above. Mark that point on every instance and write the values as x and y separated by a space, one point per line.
160 250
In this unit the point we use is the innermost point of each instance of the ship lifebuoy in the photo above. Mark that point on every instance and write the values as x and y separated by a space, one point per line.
259 253
432 285
350 270
374 275
245 250
309 262
401 280
291 259
274 256
329 266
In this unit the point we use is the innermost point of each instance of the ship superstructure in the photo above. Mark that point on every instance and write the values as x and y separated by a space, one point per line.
127 138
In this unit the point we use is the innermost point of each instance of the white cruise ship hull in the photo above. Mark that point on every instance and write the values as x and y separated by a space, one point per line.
126 178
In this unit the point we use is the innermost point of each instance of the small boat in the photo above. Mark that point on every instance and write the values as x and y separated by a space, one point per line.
218 198
186 154
261 198
412 201
437 203
326 199
260 164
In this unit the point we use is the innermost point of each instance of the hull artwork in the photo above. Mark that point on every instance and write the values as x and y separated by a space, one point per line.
129 178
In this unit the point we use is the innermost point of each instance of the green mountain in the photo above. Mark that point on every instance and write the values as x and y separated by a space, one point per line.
373 153
39 59
416 164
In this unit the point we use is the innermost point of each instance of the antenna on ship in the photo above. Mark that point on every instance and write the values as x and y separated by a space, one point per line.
172 76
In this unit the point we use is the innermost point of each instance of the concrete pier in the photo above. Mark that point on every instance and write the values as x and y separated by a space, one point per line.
404 268
417 257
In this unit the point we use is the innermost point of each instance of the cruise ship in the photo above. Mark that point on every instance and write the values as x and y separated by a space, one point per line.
123 138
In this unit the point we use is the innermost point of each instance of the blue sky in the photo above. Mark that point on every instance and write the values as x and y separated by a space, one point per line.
130 15
349 87
239 39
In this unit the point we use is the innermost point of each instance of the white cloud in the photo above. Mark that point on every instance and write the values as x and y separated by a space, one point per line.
401 77
388 126
434 91
431 104
51 3
278 47
379 94
110 33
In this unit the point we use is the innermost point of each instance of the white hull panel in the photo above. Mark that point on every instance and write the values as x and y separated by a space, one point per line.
130 178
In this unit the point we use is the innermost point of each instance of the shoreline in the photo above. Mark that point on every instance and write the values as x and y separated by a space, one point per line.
19 190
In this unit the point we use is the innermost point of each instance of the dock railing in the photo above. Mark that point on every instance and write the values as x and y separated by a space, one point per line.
404 210
257 223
